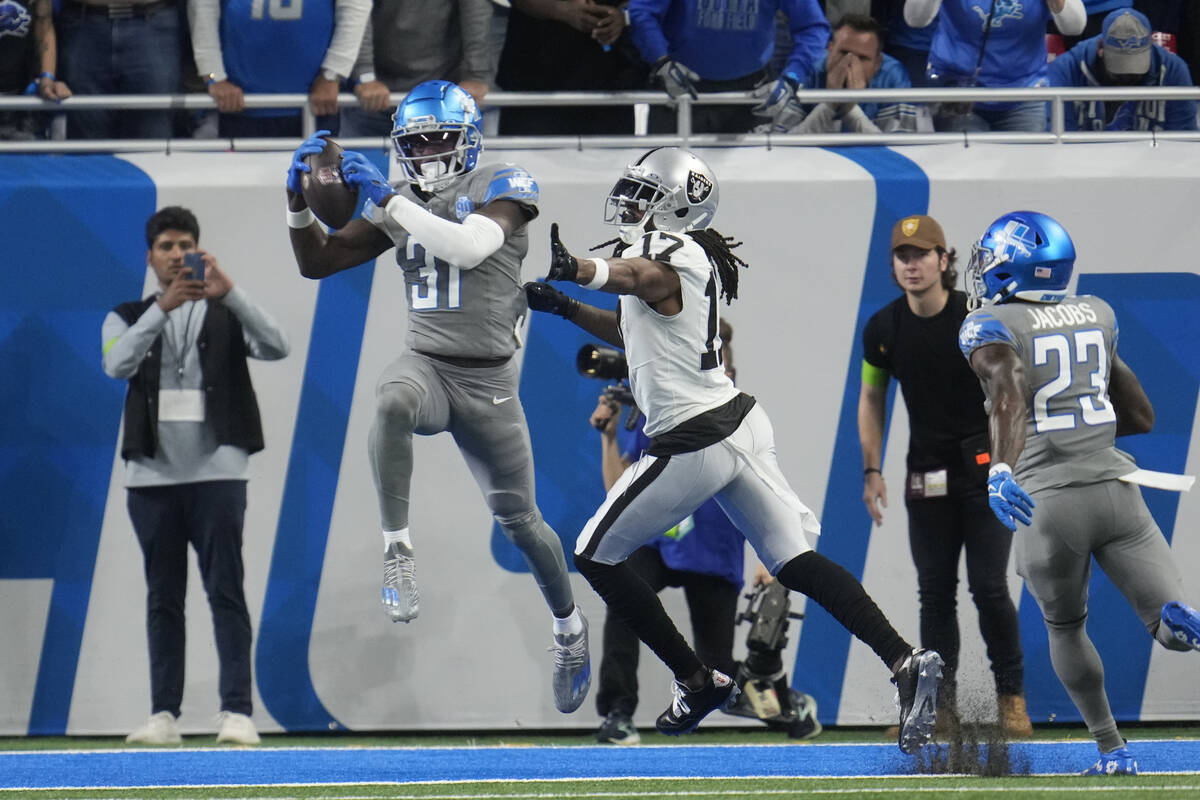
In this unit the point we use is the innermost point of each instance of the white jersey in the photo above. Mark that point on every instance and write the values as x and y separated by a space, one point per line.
675 364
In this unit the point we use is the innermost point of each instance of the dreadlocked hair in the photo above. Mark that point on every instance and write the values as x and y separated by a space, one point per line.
719 249
616 246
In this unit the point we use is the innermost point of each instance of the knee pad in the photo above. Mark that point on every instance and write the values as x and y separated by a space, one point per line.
397 404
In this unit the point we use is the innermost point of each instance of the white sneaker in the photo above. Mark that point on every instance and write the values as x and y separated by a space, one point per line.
161 728
236 729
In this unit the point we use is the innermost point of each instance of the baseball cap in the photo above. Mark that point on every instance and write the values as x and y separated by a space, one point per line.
1126 37
919 231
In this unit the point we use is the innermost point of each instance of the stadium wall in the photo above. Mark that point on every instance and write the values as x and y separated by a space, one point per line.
815 226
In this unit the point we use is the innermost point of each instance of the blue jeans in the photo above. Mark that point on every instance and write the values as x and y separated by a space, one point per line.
1029 116
129 55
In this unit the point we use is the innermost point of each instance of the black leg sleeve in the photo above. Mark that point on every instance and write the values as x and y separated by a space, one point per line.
840 593
636 604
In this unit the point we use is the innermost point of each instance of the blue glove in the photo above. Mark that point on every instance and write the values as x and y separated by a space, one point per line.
361 173
311 146
1010 503
674 78
778 103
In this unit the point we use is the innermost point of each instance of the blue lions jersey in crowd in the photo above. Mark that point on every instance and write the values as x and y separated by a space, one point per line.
726 39
707 542
271 53
1015 52
891 75
1078 67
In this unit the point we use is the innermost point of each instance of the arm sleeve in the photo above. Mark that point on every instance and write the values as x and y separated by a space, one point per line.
1072 19
264 338
464 244
919 13
204 18
810 35
349 21
366 50
475 17
645 22
124 346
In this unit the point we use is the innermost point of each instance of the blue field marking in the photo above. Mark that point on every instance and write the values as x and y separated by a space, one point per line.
92 769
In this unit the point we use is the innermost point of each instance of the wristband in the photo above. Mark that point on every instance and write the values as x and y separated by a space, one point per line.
47 75
869 470
601 276
300 219
366 77
999 467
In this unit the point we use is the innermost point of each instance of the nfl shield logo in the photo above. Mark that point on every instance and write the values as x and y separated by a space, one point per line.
698 187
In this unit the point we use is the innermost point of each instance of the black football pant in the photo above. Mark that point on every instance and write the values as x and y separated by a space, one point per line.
712 603
939 530
209 516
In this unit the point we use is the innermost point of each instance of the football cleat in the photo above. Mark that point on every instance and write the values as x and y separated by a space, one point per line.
689 707
572 668
400 598
618 728
917 682
1118 762
1183 622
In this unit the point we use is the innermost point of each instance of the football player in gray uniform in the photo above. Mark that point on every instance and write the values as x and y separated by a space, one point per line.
707 438
459 233
1057 395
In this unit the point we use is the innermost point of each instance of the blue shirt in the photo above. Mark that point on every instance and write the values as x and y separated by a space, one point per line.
1100 6
726 39
891 75
1015 53
1079 67
266 54
706 542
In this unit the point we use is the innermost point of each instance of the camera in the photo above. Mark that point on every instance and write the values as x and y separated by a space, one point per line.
608 364
194 261
765 692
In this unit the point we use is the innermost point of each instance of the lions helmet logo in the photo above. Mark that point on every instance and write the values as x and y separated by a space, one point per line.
698 187
910 225
1014 240
14 19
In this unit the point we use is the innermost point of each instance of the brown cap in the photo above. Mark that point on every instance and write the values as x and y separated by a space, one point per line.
919 231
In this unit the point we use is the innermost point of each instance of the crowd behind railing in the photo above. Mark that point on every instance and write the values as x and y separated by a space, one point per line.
778 67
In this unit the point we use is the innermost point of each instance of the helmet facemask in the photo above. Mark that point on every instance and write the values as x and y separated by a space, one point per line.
983 261
634 201
433 153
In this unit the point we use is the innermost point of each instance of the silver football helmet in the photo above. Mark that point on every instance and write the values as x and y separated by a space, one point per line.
669 185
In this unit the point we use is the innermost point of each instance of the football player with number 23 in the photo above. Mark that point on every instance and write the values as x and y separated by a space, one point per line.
459 233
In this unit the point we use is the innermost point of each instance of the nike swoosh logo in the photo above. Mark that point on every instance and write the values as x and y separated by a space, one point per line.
498 400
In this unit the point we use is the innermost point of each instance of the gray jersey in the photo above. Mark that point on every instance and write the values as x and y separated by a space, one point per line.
461 312
1067 349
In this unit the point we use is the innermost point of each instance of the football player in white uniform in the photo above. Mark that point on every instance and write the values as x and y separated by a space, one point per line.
706 438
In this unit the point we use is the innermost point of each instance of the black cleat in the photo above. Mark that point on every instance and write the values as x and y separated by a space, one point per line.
689 707
917 682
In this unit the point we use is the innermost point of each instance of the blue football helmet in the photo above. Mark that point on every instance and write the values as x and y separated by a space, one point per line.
1023 254
436 134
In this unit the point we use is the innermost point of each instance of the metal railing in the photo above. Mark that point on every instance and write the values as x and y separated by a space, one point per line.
1057 97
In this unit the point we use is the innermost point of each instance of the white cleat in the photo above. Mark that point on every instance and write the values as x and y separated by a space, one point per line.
400 597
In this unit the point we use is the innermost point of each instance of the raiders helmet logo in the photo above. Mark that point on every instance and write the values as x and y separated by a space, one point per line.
698 187
909 226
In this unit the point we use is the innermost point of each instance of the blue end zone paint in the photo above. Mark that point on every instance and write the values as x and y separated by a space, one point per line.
130 769
566 451
77 249
1160 341
289 606
901 189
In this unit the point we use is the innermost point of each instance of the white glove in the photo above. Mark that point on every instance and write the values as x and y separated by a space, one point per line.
674 77
778 103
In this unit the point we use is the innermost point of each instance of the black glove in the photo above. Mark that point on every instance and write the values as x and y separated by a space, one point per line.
563 266
544 297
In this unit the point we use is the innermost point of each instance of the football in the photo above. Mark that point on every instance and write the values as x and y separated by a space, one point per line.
331 199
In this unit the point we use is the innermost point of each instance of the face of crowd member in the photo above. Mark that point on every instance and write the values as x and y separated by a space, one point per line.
165 256
861 51
918 270
1115 79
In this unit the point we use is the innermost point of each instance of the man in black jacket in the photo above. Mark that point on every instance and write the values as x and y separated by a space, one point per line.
191 423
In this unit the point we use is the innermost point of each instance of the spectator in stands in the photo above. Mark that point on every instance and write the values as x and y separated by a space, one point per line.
1123 55
693 49
406 43
901 41
28 52
110 47
257 47
568 46
993 44
854 60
